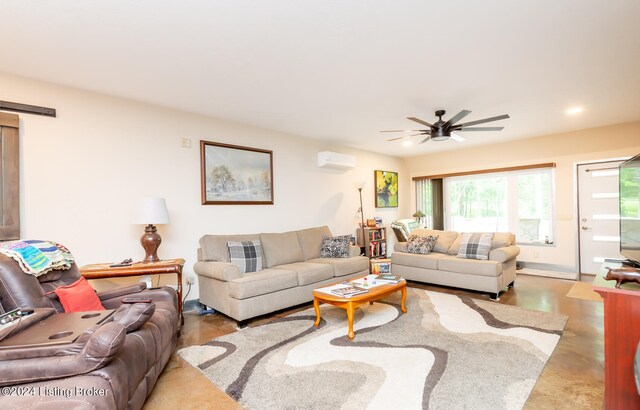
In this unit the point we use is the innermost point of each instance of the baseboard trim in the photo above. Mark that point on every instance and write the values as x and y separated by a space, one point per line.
548 273
548 266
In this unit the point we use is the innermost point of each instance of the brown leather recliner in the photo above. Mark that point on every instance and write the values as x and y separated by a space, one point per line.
113 365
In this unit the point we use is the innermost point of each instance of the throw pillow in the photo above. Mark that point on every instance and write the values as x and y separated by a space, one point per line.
335 246
78 297
421 244
475 246
246 255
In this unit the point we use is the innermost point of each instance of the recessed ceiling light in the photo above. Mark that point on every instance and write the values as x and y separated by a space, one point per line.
407 143
574 110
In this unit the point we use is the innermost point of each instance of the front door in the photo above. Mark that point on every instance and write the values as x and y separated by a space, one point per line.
598 213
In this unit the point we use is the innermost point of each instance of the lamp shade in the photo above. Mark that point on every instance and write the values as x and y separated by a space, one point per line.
151 211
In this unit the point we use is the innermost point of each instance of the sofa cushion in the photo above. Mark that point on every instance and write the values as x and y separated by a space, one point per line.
214 247
445 238
246 255
261 283
421 244
345 266
309 272
335 246
311 241
475 246
429 261
499 240
281 248
469 266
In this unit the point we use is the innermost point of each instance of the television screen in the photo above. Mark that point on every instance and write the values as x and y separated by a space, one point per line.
630 209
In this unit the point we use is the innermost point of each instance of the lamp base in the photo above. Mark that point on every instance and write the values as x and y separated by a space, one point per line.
150 241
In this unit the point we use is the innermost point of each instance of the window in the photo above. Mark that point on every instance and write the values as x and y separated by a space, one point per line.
424 201
516 201
476 204
9 178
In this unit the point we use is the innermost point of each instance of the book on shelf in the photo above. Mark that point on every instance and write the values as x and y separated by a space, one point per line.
349 290
380 266
388 278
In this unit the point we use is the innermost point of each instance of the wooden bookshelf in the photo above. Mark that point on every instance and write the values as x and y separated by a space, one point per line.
374 243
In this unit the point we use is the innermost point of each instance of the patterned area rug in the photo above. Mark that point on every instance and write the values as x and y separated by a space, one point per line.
445 352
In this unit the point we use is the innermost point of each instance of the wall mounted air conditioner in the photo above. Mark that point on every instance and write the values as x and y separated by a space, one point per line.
328 159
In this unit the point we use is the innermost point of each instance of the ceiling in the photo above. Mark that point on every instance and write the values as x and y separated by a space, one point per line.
343 70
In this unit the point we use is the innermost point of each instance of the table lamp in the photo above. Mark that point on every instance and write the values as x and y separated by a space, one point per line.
151 212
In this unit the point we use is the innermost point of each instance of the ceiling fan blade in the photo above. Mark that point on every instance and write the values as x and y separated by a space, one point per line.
419 121
425 140
399 138
499 117
401 130
480 129
458 116
458 138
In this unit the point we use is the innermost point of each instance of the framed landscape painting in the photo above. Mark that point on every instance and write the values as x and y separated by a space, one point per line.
231 174
386 189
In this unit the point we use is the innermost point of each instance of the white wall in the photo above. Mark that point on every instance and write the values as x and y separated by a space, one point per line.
82 173
566 150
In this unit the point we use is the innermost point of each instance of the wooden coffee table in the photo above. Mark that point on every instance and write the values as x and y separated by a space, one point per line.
351 304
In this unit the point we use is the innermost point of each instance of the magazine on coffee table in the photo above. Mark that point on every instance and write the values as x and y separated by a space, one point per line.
348 290
388 278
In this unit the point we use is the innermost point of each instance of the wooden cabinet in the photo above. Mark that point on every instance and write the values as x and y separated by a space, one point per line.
374 243
621 338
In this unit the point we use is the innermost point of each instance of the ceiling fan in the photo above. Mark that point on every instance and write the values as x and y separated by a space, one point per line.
443 130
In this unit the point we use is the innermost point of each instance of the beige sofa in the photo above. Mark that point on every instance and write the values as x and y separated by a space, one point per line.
443 267
292 269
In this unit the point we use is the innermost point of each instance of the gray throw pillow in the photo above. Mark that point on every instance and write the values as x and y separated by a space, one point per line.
475 246
246 255
335 246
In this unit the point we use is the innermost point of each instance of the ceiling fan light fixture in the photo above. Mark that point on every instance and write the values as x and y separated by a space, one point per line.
407 143
440 135
574 110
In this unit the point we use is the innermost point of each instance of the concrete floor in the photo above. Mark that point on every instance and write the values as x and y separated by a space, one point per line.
573 377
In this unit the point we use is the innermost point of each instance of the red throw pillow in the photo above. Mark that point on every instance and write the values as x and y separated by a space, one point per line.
78 297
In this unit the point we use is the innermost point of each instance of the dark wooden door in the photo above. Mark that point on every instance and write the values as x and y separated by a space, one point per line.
9 178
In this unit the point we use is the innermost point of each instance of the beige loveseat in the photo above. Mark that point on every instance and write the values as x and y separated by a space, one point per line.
292 269
443 267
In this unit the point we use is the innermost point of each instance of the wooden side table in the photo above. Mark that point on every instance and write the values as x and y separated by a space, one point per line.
621 337
167 266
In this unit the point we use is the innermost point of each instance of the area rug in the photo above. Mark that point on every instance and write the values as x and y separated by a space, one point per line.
445 352
584 291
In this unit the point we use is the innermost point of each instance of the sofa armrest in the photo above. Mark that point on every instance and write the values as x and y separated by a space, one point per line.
399 246
112 299
122 291
99 350
504 254
354 251
223 271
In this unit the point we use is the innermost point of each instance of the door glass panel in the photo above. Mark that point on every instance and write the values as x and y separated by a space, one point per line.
604 173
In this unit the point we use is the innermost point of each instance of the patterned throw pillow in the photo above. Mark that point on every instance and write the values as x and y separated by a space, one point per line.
475 246
246 255
335 246
421 244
